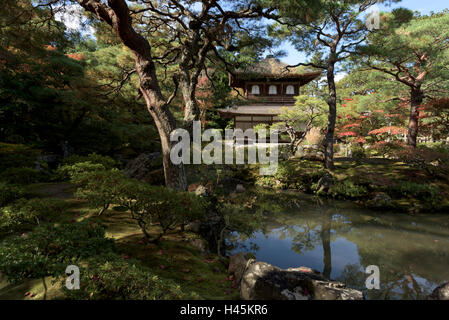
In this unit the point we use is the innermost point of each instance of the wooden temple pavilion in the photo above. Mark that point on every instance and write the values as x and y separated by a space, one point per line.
267 87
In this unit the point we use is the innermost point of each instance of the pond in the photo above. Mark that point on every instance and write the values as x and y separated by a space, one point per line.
340 240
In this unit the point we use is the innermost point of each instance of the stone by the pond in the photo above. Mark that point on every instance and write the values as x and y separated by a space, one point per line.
440 293
240 188
325 183
262 281
380 200
237 265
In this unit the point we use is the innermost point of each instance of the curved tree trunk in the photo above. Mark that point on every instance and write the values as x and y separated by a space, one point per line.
116 13
332 102
413 125
175 176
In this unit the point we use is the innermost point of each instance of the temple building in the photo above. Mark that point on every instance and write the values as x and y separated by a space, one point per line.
267 87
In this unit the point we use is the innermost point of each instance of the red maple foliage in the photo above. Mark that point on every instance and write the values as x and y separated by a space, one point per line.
390 130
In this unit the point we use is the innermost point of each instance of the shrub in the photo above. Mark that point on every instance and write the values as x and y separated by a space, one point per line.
24 213
75 165
49 249
347 190
387 149
107 162
357 152
290 176
22 176
120 279
433 161
9 193
99 187
16 155
169 208
417 190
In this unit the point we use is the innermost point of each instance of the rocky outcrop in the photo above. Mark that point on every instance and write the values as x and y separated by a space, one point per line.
146 167
440 293
262 281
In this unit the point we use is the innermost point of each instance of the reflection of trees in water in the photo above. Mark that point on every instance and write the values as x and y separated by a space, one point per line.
403 247
394 285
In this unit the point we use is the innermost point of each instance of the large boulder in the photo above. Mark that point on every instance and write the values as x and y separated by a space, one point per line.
440 293
237 265
262 281
146 167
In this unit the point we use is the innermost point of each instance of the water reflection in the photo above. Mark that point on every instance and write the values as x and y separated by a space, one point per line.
341 240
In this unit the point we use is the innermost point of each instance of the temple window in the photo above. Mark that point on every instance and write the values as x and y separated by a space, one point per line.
290 89
255 89
272 90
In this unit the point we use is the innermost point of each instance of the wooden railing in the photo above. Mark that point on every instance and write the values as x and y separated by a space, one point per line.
271 99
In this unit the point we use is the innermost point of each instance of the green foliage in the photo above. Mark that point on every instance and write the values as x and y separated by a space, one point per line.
107 162
73 167
49 249
17 155
116 279
150 204
23 176
9 193
291 176
347 190
420 191
358 152
99 187
146 203
25 213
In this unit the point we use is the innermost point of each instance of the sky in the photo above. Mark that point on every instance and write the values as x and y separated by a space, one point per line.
423 6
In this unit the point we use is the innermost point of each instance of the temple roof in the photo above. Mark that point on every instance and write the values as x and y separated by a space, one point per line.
272 68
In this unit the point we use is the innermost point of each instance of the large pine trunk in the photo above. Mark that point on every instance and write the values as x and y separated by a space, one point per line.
175 176
416 96
332 102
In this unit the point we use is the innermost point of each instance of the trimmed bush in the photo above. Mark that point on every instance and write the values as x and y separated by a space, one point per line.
9 193
22 176
25 213
107 162
347 190
116 279
155 204
49 249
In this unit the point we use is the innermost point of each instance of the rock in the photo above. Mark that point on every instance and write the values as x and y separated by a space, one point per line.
202 191
199 244
262 281
300 152
237 265
146 167
380 200
325 183
240 188
440 293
